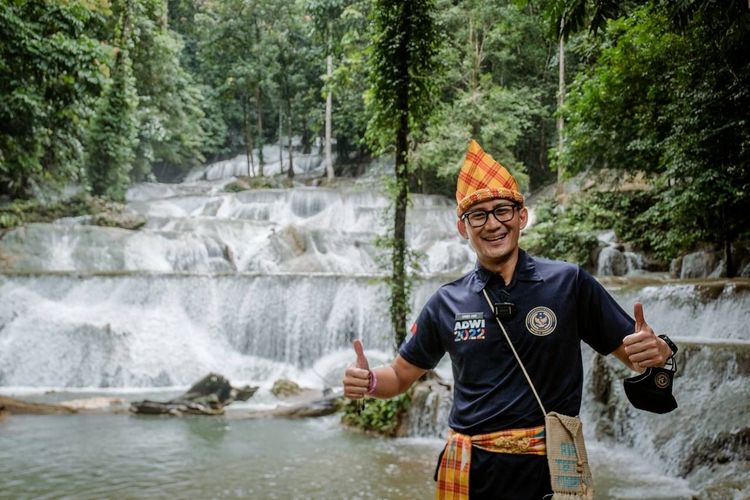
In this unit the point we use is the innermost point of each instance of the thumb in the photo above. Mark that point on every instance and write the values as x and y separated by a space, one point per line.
361 358
640 321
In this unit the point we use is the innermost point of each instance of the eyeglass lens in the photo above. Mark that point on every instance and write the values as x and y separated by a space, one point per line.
502 213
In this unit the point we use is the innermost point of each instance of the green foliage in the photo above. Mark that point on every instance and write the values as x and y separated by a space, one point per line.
21 212
342 24
616 108
562 232
169 112
113 136
381 416
51 71
669 94
568 232
298 79
403 86
403 70
238 61
497 89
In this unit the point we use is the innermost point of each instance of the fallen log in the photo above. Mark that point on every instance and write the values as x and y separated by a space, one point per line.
208 396
19 407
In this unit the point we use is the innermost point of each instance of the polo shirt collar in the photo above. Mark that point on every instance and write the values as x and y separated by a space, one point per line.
525 271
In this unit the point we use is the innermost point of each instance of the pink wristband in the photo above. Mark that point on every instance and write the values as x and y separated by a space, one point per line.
373 383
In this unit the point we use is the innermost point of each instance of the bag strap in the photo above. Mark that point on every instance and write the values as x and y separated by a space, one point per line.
518 358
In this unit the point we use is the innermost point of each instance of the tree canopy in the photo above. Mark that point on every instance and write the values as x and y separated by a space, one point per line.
104 93
668 95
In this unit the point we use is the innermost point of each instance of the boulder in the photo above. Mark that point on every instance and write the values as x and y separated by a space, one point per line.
698 264
283 388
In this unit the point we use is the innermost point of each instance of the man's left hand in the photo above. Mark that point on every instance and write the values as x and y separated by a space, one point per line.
643 348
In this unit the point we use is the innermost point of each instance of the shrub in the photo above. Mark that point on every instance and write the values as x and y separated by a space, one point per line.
381 416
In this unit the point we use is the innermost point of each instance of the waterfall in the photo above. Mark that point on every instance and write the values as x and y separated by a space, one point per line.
272 283
256 285
615 261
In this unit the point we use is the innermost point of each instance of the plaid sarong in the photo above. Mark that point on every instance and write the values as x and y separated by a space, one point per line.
453 471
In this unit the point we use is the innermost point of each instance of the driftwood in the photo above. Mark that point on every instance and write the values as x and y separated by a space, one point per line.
208 396
10 405
317 408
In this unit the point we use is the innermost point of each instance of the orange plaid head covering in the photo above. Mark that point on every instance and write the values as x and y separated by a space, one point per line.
482 178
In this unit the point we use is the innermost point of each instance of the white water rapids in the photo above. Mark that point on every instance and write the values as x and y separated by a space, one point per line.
273 283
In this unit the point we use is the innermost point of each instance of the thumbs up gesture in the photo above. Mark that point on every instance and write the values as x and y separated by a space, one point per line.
643 347
357 376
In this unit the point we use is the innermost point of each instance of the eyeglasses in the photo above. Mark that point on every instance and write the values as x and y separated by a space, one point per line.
502 213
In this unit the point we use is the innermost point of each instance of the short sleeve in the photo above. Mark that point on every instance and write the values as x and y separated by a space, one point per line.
424 347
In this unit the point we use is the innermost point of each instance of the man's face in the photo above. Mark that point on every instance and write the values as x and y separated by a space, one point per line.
495 242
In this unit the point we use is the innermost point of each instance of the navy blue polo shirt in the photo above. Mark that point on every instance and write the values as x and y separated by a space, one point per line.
558 305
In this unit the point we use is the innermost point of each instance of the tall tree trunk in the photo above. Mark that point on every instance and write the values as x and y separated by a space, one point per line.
290 172
476 69
399 307
259 106
400 295
248 138
329 109
560 103
281 139
731 271
259 131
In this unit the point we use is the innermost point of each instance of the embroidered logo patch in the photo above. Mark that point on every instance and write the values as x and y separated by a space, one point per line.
541 321
661 380
469 326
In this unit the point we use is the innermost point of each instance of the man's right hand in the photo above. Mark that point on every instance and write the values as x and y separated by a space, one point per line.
357 376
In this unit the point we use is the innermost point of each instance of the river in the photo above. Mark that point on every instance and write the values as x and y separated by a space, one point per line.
275 283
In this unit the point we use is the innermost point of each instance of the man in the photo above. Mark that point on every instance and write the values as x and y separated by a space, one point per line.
547 308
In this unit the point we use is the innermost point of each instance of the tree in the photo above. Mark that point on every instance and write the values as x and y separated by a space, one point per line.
50 77
169 113
113 136
299 62
325 13
484 96
340 28
405 44
349 83
238 59
566 17
668 95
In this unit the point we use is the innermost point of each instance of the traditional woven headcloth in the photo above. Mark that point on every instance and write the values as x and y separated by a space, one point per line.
482 178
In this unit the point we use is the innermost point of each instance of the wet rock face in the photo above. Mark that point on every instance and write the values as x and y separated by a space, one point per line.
719 449
706 438
427 416
698 265
285 388
711 264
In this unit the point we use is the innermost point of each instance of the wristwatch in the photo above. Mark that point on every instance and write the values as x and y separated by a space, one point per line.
669 342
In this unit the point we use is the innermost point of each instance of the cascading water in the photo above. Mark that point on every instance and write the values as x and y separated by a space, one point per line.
273 283
613 260
256 285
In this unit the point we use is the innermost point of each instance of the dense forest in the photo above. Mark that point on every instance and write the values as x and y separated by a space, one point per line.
105 93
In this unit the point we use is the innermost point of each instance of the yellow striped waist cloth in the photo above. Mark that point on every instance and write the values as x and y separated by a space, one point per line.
453 471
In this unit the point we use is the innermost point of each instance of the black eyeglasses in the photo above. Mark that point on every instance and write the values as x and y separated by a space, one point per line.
501 213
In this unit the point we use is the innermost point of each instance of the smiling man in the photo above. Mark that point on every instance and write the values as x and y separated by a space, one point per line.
547 308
